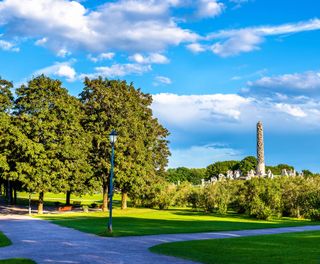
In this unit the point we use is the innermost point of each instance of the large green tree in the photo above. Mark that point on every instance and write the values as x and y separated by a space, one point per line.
6 102
58 146
182 174
221 167
141 150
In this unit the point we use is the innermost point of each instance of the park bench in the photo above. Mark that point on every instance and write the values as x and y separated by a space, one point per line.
65 208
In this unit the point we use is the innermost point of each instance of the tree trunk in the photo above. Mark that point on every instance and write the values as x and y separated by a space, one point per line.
40 203
68 197
105 196
15 194
9 192
124 198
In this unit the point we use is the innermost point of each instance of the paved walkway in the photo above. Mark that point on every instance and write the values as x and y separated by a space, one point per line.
45 242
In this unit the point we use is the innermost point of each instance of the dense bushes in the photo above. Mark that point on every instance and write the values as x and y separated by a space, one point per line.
260 198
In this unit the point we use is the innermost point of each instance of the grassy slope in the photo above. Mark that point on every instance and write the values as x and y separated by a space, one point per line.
148 221
283 248
4 241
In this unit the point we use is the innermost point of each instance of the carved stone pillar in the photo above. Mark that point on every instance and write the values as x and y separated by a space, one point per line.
261 170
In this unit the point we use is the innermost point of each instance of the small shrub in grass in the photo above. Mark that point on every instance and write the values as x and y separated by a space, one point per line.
195 198
314 215
182 193
259 210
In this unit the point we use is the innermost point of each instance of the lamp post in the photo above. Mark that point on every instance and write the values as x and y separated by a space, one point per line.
113 138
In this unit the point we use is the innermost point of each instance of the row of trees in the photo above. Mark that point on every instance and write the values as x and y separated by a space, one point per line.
245 165
194 176
260 198
53 141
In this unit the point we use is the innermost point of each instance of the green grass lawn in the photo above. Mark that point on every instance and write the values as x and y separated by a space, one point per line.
282 248
141 221
4 241
17 261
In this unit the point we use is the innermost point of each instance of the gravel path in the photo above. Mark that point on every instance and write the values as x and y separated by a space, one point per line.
45 242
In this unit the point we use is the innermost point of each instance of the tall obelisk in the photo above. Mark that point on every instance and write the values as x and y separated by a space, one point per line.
261 170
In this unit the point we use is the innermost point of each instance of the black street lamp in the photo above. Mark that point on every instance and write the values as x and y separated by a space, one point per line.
113 139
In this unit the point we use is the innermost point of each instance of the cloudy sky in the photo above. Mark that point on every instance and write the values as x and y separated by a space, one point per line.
214 67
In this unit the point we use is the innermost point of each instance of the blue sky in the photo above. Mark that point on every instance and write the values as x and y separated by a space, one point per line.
214 67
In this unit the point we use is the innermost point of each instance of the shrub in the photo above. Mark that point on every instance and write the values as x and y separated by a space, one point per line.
195 198
314 215
259 210
182 193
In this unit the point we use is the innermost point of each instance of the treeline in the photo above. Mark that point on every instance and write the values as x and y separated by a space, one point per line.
260 198
247 164
51 141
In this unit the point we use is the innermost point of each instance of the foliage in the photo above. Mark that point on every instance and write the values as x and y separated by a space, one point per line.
277 170
182 193
182 174
141 150
247 164
221 167
56 146
307 173
314 215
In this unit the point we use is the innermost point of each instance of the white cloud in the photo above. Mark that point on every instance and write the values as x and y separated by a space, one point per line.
63 69
8 46
307 83
201 156
223 113
102 56
294 111
238 3
196 47
241 41
63 53
153 58
162 80
209 8
185 109
235 41
117 70
133 25
41 42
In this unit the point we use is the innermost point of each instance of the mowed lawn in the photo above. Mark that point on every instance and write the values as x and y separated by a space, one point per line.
141 221
276 249
4 241
17 261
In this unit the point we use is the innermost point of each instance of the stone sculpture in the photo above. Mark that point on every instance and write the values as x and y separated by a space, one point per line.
261 170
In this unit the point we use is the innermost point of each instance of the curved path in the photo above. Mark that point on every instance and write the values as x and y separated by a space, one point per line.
45 242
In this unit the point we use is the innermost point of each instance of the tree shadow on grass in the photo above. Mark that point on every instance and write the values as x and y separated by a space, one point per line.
132 226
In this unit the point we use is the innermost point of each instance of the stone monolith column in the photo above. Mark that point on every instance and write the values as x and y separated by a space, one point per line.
261 170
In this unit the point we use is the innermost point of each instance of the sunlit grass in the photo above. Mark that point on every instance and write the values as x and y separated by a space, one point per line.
282 248
4 241
142 221
17 261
